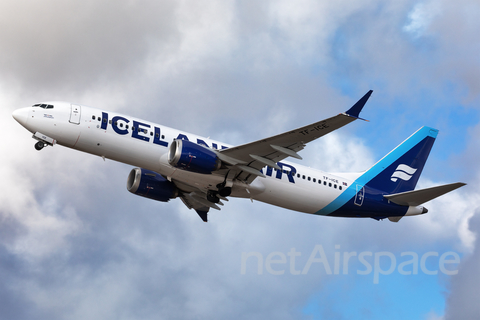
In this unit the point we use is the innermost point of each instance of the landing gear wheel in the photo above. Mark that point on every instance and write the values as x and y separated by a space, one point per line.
222 189
212 197
39 145
225 192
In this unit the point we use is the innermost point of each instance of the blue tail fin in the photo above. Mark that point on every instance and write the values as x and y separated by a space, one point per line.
399 170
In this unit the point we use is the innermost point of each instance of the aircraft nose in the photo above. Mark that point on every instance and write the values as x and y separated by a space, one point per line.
21 115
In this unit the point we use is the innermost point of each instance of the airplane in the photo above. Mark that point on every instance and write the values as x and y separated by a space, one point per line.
203 172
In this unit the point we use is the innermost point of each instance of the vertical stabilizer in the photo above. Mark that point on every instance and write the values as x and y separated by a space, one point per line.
399 170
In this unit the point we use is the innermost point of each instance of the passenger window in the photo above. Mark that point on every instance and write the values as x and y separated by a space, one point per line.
324 183
163 137
303 177
314 180
308 179
151 133
121 125
329 184
93 117
127 127
335 186
157 135
104 120
340 187
110 121
98 119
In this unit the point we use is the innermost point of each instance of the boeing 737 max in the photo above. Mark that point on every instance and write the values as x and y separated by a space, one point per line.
203 172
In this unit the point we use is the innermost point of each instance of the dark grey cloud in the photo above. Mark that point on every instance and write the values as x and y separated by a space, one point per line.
461 301
71 45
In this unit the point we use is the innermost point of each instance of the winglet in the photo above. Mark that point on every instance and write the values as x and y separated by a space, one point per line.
357 107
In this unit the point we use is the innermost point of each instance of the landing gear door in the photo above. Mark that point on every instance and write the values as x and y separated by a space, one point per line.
360 195
75 114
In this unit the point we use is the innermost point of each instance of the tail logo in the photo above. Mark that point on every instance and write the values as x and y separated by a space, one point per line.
403 172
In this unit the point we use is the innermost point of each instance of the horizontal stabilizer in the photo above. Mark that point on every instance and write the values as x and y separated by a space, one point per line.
417 197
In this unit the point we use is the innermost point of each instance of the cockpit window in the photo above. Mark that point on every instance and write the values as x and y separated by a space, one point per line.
44 106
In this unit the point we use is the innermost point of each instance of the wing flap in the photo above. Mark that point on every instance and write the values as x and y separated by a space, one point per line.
417 197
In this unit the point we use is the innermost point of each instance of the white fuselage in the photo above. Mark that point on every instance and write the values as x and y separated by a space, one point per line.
145 144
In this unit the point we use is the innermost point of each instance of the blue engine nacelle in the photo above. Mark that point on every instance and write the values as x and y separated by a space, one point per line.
149 184
193 157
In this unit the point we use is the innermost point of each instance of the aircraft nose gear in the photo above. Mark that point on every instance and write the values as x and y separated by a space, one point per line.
39 145
43 141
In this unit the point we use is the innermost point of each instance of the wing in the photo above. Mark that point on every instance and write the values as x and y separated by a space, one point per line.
247 160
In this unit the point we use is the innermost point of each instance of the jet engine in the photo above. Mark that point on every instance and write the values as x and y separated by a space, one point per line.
193 157
149 184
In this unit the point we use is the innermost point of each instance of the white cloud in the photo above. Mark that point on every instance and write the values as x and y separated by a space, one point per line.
449 215
41 220
421 17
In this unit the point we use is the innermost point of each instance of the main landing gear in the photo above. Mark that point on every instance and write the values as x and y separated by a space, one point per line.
39 145
212 196
223 192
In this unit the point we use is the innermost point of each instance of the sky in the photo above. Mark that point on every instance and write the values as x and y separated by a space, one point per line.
74 244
